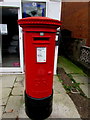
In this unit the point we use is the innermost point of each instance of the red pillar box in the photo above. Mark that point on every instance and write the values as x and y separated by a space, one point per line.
39 45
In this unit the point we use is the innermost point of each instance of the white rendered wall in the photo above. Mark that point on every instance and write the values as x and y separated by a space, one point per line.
54 11
10 3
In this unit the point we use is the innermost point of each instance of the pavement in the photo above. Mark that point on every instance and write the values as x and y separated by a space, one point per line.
12 88
13 99
12 95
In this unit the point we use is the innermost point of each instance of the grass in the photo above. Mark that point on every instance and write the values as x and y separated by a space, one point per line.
69 66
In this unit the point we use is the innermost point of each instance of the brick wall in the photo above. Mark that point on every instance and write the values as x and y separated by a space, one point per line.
88 42
75 18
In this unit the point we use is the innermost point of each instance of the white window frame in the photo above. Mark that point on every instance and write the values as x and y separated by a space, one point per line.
9 3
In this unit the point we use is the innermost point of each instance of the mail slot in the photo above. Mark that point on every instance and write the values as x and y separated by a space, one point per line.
41 40
39 45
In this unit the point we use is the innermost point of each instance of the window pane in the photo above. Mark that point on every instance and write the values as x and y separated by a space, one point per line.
10 38
34 9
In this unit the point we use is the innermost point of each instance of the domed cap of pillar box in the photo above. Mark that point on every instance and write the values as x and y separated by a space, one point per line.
36 21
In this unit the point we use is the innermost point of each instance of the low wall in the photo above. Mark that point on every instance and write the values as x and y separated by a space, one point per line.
85 56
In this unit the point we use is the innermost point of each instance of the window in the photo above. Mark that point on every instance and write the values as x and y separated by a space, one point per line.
31 9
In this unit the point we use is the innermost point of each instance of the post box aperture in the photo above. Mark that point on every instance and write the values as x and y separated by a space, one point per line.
39 45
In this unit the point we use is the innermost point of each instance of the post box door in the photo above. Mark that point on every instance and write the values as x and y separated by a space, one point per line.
39 57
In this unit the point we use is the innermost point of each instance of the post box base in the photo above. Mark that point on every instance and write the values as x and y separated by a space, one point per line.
38 109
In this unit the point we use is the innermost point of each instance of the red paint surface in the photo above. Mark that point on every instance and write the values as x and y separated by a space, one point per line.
39 76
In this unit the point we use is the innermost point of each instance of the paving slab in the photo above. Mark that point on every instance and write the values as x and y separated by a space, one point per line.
0 75
4 101
84 83
2 108
20 77
81 78
0 78
4 95
13 106
0 102
5 92
0 93
17 91
22 113
63 107
86 88
19 84
0 112
8 80
0 82
57 87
